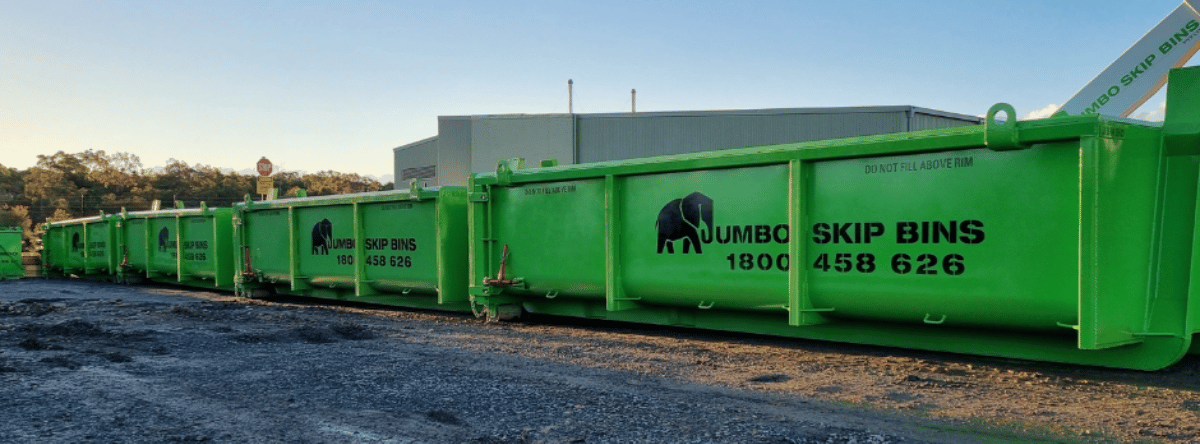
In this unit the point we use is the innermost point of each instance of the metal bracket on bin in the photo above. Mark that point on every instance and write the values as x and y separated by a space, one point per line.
929 319
500 280
1002 136
248 273
504 169
414 189
125 259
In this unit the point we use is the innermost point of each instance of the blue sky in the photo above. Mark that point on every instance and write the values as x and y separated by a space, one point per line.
316 85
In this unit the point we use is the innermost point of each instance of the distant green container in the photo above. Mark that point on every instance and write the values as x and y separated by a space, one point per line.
80 247
11 266
1070 239
192 246
405 248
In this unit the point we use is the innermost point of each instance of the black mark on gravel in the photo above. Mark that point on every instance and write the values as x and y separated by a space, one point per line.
353 332
189 438
74 327
314 335
444 417
310 334
60 361
223 306
251 338
30 307
771 378
187 311
900 396
117 357
37 344
205 310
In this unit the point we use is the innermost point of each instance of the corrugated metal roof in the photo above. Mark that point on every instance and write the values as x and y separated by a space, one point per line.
417 143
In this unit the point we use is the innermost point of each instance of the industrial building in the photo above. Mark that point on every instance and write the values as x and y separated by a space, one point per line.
475 143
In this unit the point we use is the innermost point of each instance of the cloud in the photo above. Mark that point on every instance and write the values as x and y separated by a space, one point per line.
1042 113
1155 115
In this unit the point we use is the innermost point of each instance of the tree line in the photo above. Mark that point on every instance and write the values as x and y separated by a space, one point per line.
65 186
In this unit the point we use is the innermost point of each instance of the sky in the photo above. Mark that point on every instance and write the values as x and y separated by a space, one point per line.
335 85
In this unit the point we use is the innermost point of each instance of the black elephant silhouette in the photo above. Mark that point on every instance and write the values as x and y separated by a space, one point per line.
163 236
76 244
681 218
322 237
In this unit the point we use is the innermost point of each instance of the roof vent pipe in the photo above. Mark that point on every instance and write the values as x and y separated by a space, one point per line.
633 96
570 96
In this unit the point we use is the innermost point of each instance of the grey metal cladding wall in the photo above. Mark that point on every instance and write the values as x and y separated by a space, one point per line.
927 119
415 157
533 137
454 150
612 137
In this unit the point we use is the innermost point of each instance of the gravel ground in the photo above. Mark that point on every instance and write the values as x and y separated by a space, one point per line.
93 362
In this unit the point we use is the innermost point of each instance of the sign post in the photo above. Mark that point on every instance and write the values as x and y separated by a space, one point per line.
265 182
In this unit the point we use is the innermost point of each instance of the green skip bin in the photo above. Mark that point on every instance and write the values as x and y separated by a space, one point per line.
1069 239
405 248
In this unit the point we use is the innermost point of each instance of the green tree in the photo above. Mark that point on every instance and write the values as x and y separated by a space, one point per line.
331 182
8 218
86 182
12 186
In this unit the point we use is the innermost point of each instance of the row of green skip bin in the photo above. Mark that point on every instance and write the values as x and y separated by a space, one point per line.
1070 239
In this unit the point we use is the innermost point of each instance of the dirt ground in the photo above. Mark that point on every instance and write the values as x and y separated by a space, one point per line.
93 362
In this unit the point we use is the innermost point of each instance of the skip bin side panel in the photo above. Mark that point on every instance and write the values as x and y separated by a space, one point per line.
197 239
974 237
401 246
134 247
325 245
554 231
204 248
267 240
163 248
713 238
51 249
76 248
11 266
96 246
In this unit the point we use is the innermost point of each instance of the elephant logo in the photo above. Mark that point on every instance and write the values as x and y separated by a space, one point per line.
322 237
76 243
164 236
681 218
